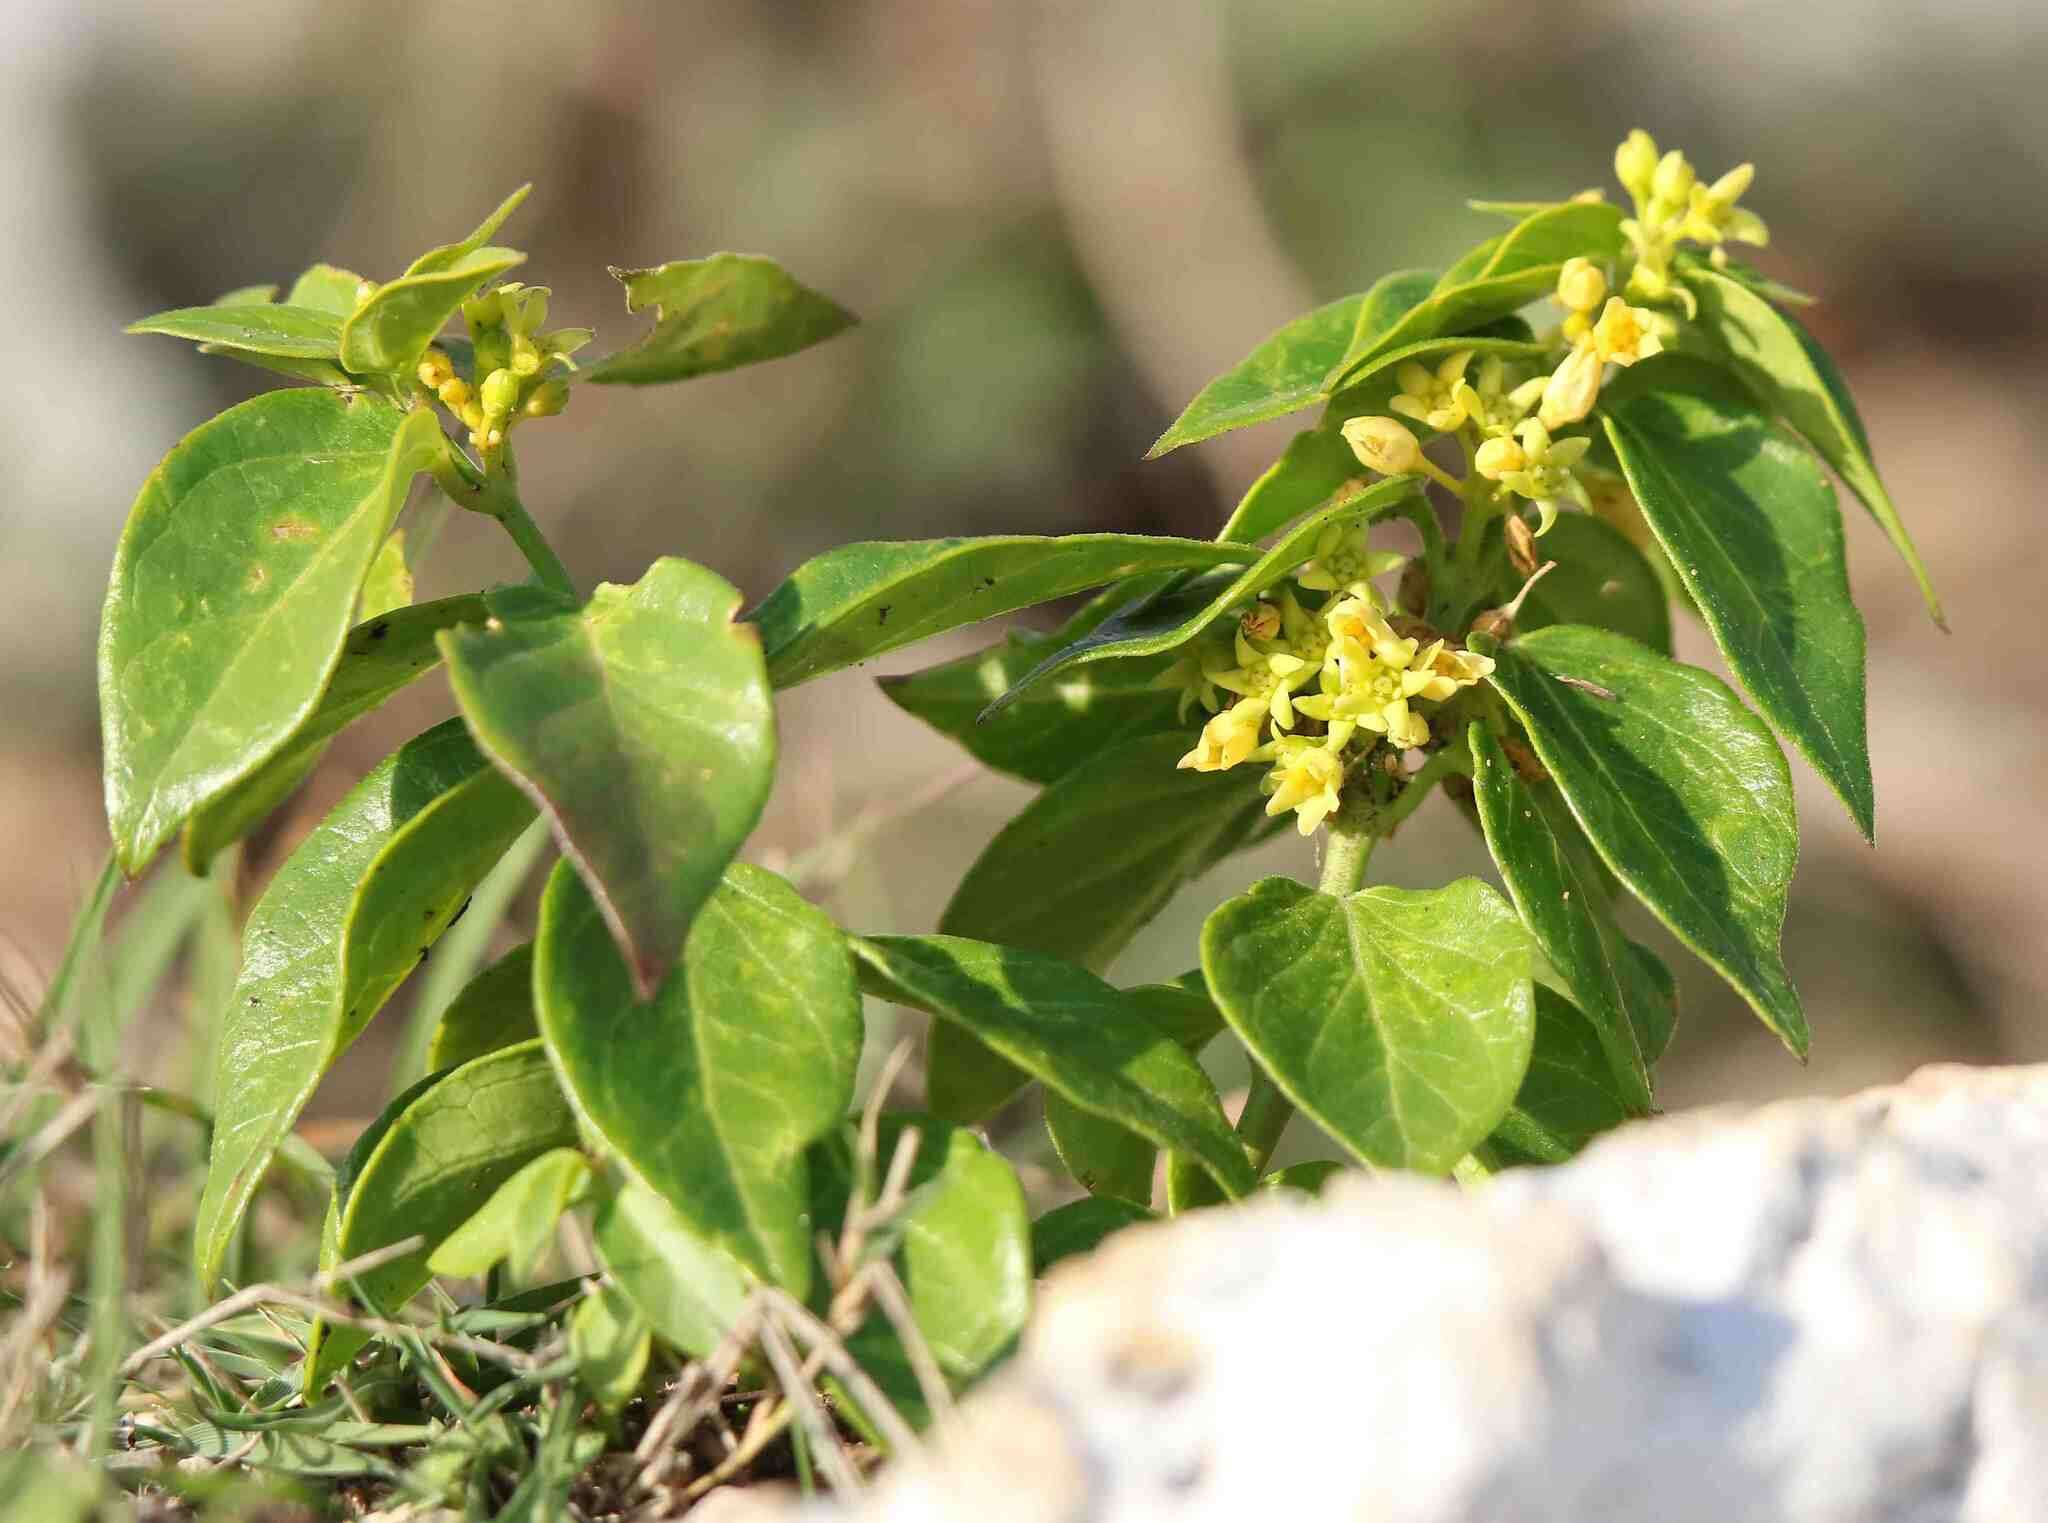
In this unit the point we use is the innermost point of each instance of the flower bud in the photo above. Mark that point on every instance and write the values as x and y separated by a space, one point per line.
548 399
1581 285
485 311
1383 445
1499 457
1261 621
525 357
500 394
1573 389
1674 179
454 392
1635 161
435 370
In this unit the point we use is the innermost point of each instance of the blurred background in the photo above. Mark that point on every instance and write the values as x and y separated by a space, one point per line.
1057 220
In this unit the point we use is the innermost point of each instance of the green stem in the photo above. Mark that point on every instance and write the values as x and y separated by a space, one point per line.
1451 759
496 495
1264 1117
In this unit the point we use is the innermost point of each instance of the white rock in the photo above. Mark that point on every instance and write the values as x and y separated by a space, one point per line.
1817 1312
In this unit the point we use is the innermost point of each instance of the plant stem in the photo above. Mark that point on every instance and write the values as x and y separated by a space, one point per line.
496 495
1451 759
1264 1117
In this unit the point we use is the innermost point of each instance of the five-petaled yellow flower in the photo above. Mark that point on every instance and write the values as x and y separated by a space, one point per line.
1433 399
1305 778
1345 560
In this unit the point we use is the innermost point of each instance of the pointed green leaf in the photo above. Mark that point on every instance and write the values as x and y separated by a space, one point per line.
1173 618
388 332
379 658
1063 1025
1568 1097
1680 788
326 288
1513 270
860 600
388 586
689 1288
1079 872
611 1343
1400 1022
1056 727
642 723
1557 885
494 1010
1751 527
451 255
1784 365
717 314
709 1093
300 333
1599 578
232 592
246 296
518 1221
440 1150
1079 1227
1285 373
348 916
1316 465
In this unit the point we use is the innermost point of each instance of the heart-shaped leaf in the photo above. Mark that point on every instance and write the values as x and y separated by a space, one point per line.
710 1092
302 333
860 600
1753 531
232 592
1568 1097
717 314
1400 1022
1783 364
1562 894
347 917
1680 788
643 724
1079 872
421 1170
379 658
494 1010
1062 1025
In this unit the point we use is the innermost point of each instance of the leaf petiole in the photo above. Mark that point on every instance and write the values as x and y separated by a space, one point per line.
495 494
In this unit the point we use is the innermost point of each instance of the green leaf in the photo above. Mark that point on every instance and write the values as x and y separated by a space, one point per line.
710 1093
1056 727
388 587
690 1289
962 1247
1786 367
347 917
1063 1025
611 1342
1079 1227
1562 894
1283 374
325 288
642 724
516 1224
389 331
1105 1158
1173 618
1079 872
1400 1022
378 659
1384 363
1568 1097
1514 270
441 1148
451 255
300 333
231 595
1752 529
1316 465
717 314
860 600
1600 578
1312 1177
1679 787
247 296
494 1010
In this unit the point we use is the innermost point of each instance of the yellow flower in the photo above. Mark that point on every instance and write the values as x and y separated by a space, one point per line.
1712 215
1625 334
1546 473
1188 678
1433 399
1383 445
1573 388
1371 676
1345 561
1496 458
1227 739
1671 186
1305 778
1490 406
1635 161
1265 678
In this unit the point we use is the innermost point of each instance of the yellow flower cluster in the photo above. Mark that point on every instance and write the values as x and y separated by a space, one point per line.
513 358
1343 666
1673 207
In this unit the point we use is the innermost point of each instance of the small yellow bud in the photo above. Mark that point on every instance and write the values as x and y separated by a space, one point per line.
485 311
1573 388
1383 445
525 357
454 392
1729 189
494 439
1674 179
1635 161
1581 285
435 369
547 400
1498 457
472 415
500 394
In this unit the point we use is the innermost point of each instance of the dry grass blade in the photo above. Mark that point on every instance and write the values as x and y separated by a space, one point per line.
51 1136
890 1295
827 1352
831 1455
